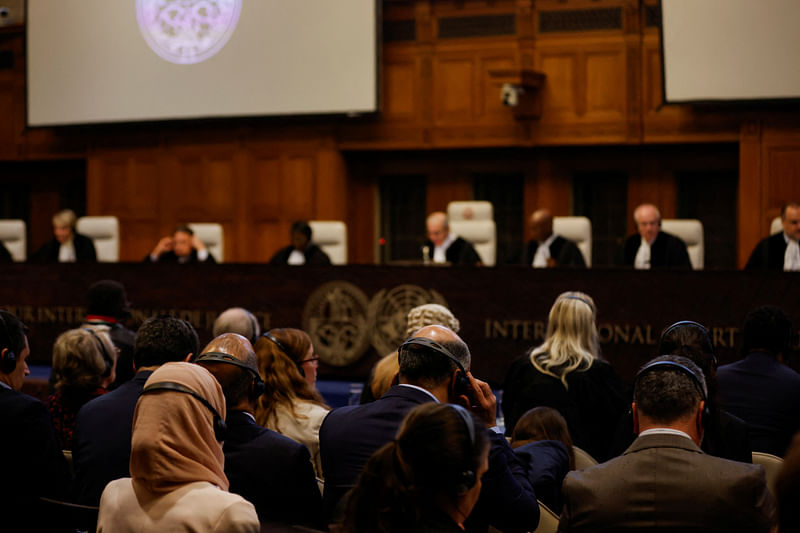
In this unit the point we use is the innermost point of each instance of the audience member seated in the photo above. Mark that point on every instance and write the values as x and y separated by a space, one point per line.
108 305
102 439
567 374
725 435
181 247
237 320
66 246
760 389
384 373
546 249
445 247
291 404
34 465
541 441
427 479
271 471
651 247
434 367
664 481
787 489
83 366
302 251
780 251
177 480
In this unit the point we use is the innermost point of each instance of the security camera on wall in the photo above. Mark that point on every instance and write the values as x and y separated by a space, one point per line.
509 94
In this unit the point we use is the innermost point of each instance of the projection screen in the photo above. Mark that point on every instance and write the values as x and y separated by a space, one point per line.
100 61
730 50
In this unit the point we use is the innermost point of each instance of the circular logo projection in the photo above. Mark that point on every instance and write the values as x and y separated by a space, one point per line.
187 31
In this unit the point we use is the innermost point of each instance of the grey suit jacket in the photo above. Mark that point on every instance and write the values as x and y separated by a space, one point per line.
667 482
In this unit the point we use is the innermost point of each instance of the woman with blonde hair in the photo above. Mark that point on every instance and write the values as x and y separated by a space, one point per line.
291 405
84 361
567 374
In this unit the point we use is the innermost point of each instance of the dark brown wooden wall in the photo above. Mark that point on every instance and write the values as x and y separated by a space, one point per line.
442 66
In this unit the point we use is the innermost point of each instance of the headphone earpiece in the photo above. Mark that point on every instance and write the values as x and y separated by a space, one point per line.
220 427
8 359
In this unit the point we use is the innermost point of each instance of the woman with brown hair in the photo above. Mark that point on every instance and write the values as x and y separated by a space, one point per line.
291 405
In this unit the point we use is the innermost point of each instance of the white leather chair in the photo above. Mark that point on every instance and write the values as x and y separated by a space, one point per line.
776 226
104 231
583 459
13 235
210 234
548 520
474 222
772 465
691 232
331 236
579 231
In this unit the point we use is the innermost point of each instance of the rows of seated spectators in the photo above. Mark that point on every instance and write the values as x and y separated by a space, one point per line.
235 436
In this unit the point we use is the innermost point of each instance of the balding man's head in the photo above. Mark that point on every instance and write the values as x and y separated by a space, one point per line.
231 359
648 221
427 368
541 224
237 320
438 227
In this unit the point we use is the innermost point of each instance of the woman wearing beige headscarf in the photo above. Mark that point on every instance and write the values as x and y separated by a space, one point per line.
177 480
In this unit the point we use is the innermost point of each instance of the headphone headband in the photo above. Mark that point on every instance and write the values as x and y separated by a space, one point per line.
696 325
221 357
277 343
106 358
159 386
433 345
584 300
672 365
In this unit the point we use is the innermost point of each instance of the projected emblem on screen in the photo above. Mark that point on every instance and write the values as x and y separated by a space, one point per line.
187 31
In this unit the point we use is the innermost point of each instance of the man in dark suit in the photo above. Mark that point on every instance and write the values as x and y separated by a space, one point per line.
546 249
66 246
651 247
444 247
102 440
182 247
428 373
33 465
107 305
780 251
664 480
302 251
760 389
271 471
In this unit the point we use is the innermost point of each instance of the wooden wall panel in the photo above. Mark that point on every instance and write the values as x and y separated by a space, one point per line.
454 82
605 96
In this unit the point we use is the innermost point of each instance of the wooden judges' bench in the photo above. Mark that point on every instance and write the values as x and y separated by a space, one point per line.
356 313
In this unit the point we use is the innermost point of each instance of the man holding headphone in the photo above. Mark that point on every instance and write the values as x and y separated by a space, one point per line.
33 465
652 248
434 367
664 480
271 471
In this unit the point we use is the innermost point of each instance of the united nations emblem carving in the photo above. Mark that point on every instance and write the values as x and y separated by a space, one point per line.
187 31
388 312
335 316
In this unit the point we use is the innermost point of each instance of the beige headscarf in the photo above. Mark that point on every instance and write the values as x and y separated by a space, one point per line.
173 434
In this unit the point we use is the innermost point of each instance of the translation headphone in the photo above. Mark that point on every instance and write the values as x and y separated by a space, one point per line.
106 358
220 428
696 325
220 357
285 350
8 359
461 385
699 383
466 478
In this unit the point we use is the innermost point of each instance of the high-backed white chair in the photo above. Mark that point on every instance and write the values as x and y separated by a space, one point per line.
548 520
776 226
579 231
211 234
474 222
13 235
331 236
104 232
691 232
772 465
